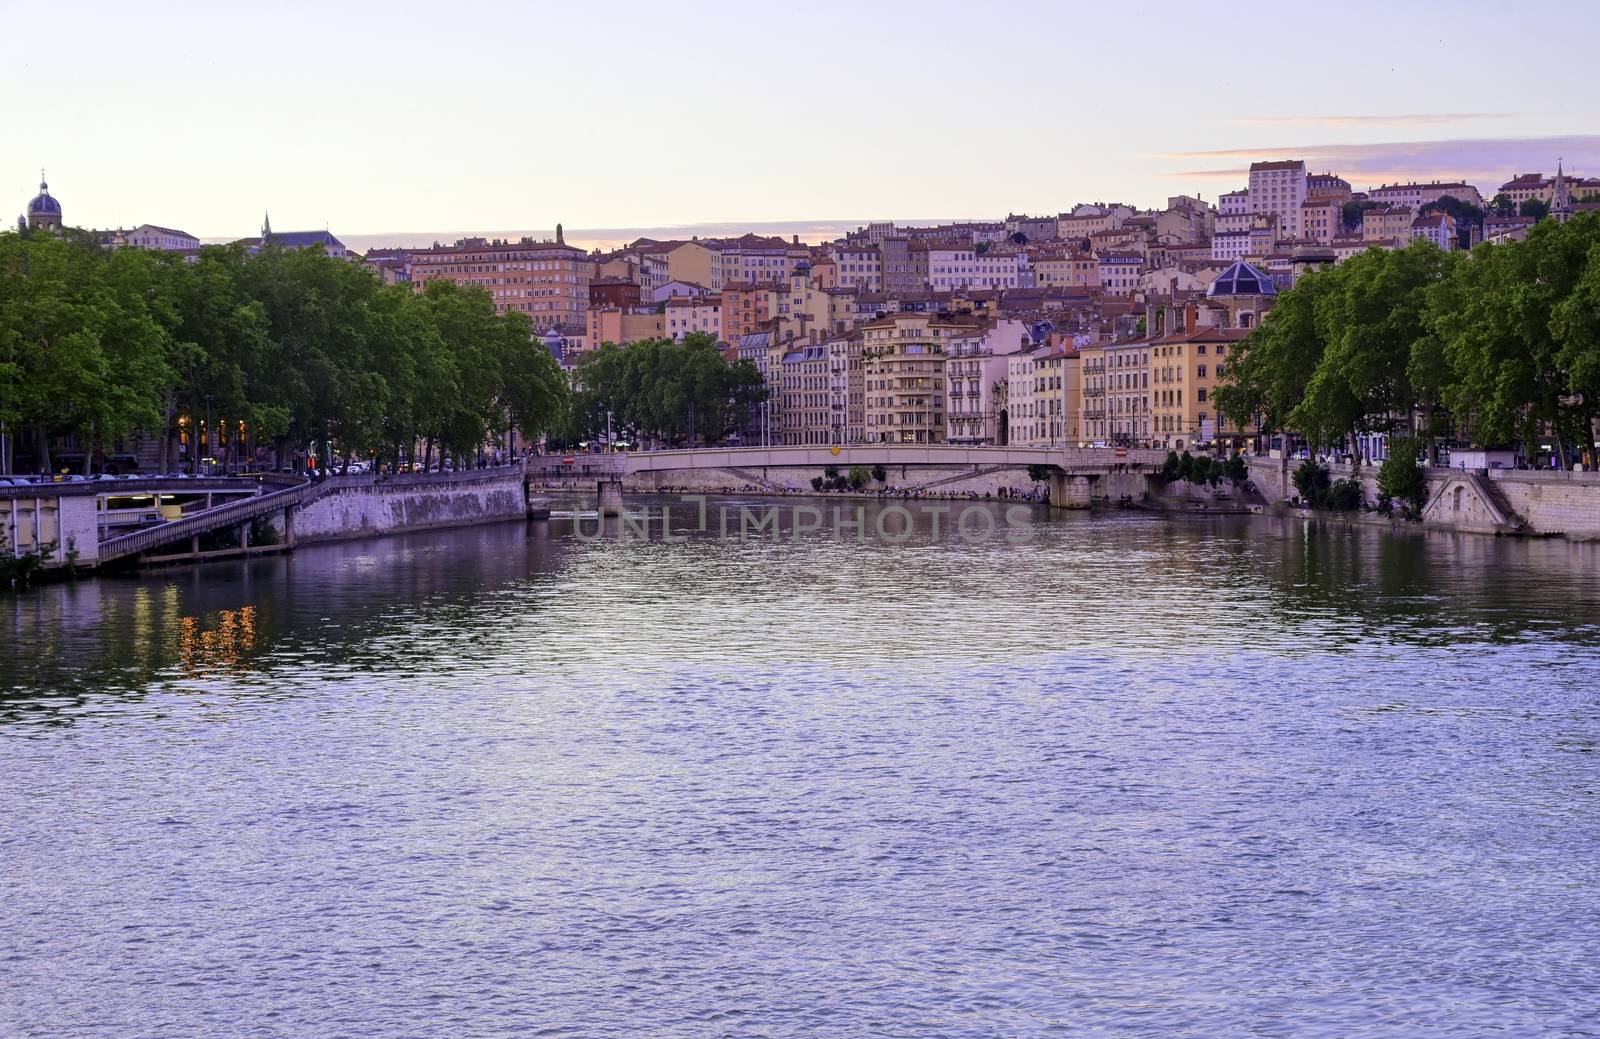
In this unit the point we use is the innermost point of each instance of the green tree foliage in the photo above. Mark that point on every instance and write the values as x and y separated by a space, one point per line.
859 477
676 392
1311 480
292 350
1465 214
1502 343
1400 478
1516 335
1169 468
1501 205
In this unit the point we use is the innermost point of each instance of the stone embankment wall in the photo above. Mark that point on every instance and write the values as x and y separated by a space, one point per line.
367 508
1565 503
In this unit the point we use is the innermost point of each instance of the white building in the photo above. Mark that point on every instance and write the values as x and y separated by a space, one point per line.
149 236
687 314
1279 188
955 265
1230 245
975 368
1437 228
1418 195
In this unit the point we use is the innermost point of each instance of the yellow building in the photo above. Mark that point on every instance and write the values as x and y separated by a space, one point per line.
1183 377
1387 224
693 262
622 325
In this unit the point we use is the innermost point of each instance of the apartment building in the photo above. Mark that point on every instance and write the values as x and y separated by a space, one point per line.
1119 272
1184 368
1321 219
1071 268
953 265
1392 223
624 325
975 372
612 291
755 258
1438 228
1329 187
1525 186
1087 220
747 307
903 359
858 267
1416 196
548 281
803 408
686 314
150 236
847 386
1126 380
1279 188
1032 228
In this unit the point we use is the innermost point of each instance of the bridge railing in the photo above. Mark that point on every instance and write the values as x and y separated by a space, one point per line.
1069 458
222 516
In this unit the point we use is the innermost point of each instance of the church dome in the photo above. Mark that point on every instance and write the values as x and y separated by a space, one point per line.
45 203
1243 279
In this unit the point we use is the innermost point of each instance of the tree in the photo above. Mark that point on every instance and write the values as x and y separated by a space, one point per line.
1501 205
1461 212
1269 373
858 477
1534 207
1373 316
1311 480
1509 337
1400 478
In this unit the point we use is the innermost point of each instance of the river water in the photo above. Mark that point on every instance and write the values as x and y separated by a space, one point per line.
1086 776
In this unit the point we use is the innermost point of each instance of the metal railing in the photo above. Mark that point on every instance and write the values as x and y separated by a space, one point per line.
208 520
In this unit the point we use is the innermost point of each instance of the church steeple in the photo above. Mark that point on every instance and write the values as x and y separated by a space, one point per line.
1561 197
266 226
559 239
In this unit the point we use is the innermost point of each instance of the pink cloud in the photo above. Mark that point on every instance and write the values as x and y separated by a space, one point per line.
1486 162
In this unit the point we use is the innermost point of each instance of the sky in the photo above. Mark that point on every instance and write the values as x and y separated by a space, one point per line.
402 121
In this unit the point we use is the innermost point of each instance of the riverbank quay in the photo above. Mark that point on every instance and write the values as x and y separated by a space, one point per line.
1527 502
64 528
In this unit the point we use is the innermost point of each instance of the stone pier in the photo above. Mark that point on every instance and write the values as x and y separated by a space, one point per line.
609 494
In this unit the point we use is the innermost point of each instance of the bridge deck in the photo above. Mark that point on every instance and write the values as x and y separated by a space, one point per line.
1073 460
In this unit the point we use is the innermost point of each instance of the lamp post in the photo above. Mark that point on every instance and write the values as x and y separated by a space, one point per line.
209 398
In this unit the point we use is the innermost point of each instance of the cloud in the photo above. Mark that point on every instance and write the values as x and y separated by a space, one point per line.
1486 162
1429 119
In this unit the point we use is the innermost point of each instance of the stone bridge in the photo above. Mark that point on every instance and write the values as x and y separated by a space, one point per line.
1075 470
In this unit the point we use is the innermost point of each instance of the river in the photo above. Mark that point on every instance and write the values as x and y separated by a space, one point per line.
1100 776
